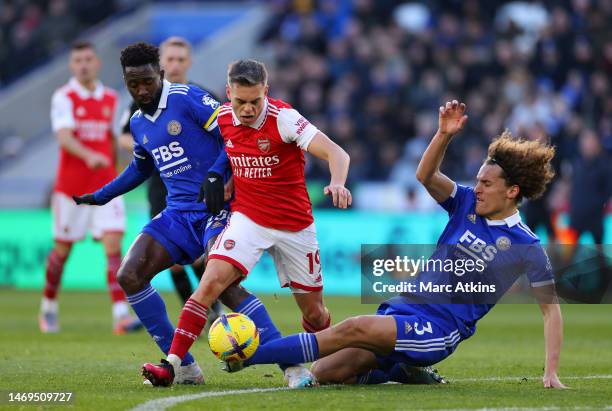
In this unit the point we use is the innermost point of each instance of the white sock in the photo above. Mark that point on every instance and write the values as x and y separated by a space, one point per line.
175 361
49 306
120 309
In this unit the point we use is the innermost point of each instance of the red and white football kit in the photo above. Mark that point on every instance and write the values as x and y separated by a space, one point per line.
271 209
90 115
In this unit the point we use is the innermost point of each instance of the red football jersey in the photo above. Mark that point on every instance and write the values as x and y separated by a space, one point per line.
267 160
90 115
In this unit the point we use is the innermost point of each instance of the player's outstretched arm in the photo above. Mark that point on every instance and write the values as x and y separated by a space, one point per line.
451 119
133 175
322 147
553 336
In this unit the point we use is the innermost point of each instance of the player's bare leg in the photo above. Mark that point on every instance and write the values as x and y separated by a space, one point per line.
219 275
376 333
145 258
343 367
316 317
123 322
198 267
48 317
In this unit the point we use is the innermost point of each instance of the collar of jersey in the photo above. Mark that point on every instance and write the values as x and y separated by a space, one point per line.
260 120
163 101
512 220
84 93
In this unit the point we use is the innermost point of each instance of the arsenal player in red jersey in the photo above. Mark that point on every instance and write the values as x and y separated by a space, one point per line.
265 141
82 115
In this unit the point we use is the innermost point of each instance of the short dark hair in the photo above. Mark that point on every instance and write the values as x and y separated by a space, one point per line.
140 54
82 45
247 73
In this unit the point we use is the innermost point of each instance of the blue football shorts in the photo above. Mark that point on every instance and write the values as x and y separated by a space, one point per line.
184 234
421 340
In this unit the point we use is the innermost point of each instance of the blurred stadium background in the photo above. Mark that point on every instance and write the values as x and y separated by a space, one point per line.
371 74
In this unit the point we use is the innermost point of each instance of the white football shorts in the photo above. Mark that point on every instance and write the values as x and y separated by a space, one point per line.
295 254
71 222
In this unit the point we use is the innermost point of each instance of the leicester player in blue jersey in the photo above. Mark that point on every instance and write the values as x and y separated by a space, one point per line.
484 224
175 131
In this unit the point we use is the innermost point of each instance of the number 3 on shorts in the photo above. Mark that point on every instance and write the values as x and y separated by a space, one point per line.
425 329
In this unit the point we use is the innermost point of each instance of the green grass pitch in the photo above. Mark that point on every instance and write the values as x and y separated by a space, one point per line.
103 370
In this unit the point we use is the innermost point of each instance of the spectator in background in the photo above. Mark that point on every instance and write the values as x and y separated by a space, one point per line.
591 187
32 31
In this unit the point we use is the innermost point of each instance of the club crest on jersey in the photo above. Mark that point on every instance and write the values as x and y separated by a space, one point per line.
229 244
503 243
472 218
264 144
209 101
80 111
174 128
106 111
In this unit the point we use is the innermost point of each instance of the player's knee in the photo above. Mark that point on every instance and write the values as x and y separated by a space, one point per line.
128 278
62 249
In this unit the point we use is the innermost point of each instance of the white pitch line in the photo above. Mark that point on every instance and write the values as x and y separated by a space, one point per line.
167 402
161 404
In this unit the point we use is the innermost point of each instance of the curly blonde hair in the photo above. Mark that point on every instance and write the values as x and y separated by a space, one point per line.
524 163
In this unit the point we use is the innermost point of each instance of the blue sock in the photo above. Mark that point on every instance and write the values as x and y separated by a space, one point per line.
294 349
374 376
151 310
256 311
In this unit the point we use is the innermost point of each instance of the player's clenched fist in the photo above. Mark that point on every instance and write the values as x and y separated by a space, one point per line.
96 160
451 118
341 196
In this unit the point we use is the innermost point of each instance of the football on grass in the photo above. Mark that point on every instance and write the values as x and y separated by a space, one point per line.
233 337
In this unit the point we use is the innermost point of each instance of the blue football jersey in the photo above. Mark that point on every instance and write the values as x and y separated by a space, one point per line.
181 139
506 249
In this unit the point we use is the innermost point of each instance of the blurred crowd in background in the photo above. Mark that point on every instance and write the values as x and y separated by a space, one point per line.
34 30
372 75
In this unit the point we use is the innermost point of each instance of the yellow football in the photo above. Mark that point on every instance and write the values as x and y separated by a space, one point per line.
233 337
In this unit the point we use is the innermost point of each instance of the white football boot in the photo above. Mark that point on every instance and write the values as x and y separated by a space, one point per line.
299 376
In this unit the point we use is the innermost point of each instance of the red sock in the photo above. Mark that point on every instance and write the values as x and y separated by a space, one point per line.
190 325
53 274
112 266
312 329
